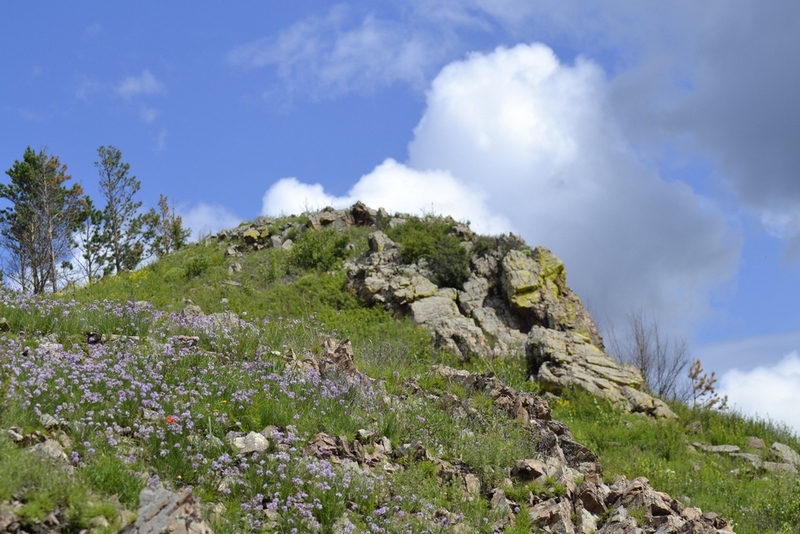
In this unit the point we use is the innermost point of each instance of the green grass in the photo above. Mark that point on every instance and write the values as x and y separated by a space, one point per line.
236 380
633 446
43 489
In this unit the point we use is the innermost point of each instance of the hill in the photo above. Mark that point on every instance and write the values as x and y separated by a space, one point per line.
356 371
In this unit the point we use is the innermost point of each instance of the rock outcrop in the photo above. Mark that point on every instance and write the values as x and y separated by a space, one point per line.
515 302
562 360
504 297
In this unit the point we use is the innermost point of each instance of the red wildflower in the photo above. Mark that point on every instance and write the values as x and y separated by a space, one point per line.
171 419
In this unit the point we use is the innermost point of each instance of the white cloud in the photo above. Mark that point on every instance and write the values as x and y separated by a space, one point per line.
745 353
536 136
767 392
338 53
161 140
148 114
397 188
146 84
517 133
205 219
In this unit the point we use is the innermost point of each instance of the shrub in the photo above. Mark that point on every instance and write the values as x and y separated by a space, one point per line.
419 238
195 266
504 243
450 263
430 239
320 250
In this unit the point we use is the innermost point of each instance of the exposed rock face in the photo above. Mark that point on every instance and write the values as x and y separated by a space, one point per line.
537 291
562 360
504 297
515 302
164 512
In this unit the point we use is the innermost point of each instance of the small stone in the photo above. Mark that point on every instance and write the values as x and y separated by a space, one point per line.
472 484
365 436
785 454
529 469
755 443
252 442
50 448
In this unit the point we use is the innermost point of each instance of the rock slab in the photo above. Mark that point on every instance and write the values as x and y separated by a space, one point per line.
164 512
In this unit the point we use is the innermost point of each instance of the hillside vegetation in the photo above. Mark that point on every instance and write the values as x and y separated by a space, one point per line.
160 376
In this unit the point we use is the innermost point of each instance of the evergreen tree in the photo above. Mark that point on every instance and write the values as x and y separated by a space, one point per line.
167 227
89 252
36 228
124 232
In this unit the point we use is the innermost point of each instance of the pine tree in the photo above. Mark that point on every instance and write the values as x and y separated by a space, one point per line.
37 228
123 226
89 253
167 226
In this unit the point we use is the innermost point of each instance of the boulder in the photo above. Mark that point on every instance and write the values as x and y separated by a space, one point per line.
246 444
536 289
562 360
785 454
164 512
452 331
553 515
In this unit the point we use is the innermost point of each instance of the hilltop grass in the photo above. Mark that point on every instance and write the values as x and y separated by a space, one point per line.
140 411
633 445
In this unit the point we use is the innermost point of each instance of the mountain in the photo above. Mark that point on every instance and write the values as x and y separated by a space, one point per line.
357 371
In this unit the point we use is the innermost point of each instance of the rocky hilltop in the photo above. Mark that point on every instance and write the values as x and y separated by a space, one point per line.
514 301
247 422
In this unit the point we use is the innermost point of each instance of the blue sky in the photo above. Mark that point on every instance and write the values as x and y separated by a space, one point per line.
652 146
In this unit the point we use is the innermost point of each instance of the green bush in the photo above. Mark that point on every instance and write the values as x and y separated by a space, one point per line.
450 263
418 238
318 250
503 243
195 266
430 239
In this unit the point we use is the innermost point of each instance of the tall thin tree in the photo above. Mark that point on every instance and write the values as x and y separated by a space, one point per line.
167 226
38 225
123 224
89 253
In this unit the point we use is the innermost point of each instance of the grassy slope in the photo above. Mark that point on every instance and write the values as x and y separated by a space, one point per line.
302 307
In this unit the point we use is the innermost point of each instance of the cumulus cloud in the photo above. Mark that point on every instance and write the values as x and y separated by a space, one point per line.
535 134
341 52
397 188
520 141
146 84
741 353
205 219
767 392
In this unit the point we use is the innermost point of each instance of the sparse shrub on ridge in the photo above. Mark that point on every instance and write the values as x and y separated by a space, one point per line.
320 250
450 263
418 238
430 239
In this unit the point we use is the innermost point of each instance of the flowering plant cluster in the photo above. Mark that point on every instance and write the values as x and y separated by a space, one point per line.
156 408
